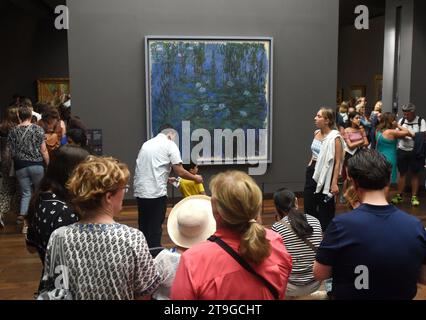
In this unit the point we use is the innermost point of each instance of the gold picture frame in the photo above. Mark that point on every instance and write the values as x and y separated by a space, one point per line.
51 89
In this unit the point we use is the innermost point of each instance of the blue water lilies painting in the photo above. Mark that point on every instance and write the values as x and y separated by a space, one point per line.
214 83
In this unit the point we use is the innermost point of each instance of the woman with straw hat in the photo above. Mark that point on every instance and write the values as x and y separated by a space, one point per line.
243 260
190 222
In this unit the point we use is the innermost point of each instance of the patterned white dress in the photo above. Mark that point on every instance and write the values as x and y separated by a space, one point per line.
104 261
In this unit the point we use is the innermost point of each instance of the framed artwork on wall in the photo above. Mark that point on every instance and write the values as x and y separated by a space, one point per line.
357 91
51 89
378 86
211 84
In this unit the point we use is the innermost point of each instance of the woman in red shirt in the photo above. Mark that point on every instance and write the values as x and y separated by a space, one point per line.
207 272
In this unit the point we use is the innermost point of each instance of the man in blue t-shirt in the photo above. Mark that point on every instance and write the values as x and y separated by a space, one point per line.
376 251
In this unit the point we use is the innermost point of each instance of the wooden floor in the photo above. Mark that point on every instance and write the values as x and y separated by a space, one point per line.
20 271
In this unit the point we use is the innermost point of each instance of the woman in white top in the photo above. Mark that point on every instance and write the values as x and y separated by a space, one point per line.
324 168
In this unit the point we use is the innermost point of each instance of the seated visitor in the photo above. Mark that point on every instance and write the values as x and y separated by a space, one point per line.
208 272
302 235
375 251
104 260
190 222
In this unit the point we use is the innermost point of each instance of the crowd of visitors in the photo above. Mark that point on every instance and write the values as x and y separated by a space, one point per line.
67 201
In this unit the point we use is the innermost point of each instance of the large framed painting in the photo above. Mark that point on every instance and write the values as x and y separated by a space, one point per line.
52 89
216 92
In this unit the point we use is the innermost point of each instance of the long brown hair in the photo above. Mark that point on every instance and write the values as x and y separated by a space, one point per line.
386 121
10 119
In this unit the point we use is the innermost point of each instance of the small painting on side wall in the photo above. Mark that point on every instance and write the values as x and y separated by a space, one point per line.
52 89
357 91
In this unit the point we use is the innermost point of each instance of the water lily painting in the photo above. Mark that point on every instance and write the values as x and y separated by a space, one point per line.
214 83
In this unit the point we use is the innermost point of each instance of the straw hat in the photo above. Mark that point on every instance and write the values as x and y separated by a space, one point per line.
191 221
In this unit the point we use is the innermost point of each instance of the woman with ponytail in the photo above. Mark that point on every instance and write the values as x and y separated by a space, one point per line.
207 272
301 234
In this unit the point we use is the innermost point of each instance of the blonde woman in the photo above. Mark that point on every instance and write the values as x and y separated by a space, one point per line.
377 110
104 260
361 109
207 272
324 168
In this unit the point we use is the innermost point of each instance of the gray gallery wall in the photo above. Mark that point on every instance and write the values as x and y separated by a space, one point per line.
412 70
418 76
406 53
361 58
31 48
106 55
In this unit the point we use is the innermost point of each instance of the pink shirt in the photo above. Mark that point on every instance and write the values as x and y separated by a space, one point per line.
207 272
354 136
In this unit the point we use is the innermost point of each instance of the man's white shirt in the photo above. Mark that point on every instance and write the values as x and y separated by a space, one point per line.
407 143
153 166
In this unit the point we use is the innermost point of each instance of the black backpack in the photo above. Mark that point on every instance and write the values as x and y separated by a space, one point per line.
419 123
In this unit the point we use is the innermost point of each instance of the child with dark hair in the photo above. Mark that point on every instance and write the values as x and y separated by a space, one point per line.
77 137
302 236
189 187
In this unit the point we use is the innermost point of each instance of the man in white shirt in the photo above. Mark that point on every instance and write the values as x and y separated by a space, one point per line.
155 160
406 156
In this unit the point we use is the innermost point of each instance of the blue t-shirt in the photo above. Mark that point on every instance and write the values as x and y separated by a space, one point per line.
386 240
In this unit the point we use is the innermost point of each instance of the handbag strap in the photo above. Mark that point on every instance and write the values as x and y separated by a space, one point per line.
244 264
305 240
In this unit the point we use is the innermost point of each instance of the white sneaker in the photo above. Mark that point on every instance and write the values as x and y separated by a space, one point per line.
1 221
24 229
